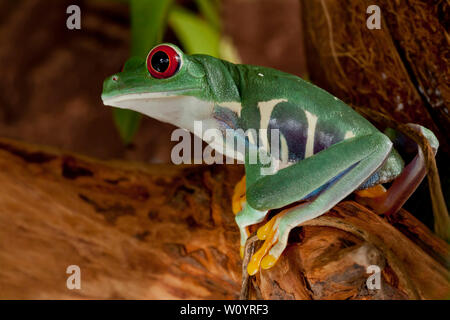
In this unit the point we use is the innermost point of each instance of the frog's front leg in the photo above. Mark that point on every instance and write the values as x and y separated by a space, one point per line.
245 215
336 171
245 218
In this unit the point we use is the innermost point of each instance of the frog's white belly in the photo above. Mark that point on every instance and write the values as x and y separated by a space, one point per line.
179 110
187 112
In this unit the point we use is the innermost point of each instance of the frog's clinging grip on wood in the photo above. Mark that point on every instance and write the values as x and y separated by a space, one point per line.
326 149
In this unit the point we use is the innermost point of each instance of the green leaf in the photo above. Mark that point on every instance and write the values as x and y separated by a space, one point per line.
227 51
195 34
209 9
148 22
127 123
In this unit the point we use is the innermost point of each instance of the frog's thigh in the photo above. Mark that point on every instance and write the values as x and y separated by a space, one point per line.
360 171
299 180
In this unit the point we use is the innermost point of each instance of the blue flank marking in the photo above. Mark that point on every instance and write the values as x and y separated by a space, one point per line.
328 184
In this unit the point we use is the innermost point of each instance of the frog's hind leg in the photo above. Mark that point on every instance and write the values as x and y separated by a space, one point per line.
353 160
407 182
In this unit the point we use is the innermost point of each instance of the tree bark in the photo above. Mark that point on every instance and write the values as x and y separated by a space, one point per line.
167 232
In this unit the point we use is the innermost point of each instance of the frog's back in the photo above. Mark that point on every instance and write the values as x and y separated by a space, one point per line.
307 117
309 120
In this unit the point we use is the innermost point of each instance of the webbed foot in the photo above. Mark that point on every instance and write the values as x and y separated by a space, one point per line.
269 232
275 234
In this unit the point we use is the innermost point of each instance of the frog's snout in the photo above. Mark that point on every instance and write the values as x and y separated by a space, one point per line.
110 84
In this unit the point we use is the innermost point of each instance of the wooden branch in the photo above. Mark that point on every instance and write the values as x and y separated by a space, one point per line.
138 232
165 232
334 265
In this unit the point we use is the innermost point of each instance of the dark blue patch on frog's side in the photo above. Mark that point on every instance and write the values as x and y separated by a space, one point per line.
325 136
293 125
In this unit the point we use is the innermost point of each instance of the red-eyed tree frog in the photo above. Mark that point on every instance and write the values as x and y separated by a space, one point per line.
326 150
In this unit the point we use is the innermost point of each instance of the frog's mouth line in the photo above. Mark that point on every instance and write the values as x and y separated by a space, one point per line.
119 100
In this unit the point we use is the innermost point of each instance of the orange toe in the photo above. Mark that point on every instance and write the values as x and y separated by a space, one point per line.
238 196
269 233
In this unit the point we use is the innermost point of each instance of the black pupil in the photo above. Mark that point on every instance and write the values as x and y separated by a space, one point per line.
160 61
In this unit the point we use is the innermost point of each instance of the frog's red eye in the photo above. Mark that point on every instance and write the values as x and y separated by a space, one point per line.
163 62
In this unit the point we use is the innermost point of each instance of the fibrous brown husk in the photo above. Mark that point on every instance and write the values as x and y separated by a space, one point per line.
400 70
